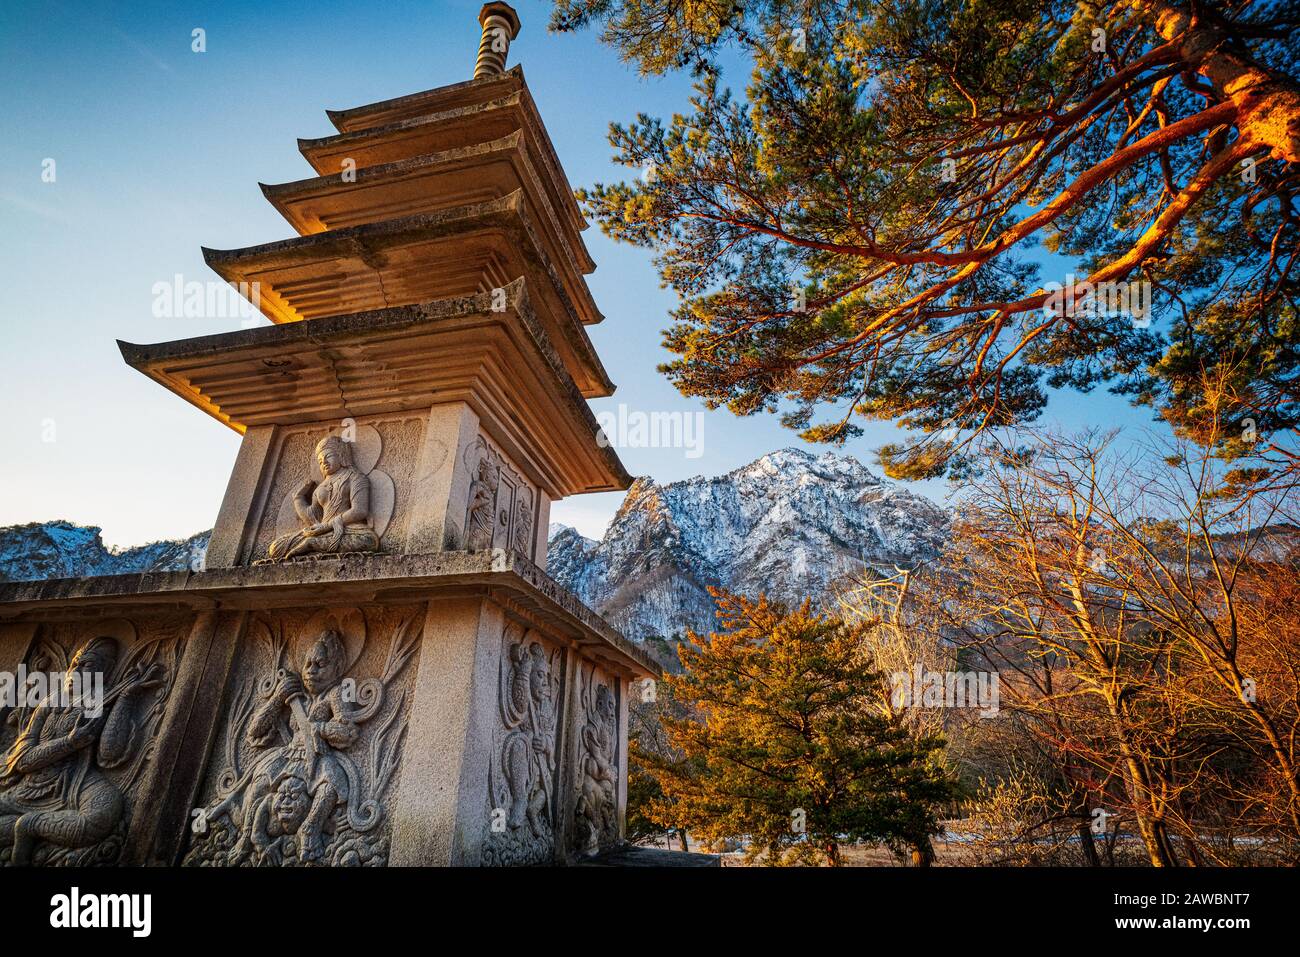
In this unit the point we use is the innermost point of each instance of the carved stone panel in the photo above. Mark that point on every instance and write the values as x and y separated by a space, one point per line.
83 734
599 755
362 505
523 773
311 741
502 510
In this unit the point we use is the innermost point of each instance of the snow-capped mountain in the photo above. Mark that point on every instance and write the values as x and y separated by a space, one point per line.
787 524
63 550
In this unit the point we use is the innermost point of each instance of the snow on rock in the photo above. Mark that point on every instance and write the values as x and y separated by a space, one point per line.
787 524
61 549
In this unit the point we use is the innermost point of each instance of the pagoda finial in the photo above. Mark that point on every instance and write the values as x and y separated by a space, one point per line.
500 25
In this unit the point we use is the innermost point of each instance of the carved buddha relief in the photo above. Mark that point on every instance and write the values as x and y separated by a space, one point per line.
480 519
346 509
310 752
522 773
502 506
521 531
67 775
596 808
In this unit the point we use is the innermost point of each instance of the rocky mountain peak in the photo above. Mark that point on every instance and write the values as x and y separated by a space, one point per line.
788 524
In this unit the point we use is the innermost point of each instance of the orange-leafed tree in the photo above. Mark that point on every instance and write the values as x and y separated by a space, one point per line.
784 746
1142 623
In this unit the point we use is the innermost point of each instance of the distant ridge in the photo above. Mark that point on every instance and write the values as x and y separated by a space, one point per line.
787 524
60 549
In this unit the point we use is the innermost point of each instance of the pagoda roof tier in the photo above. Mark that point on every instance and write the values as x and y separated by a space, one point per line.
453 96
415 259
402 359
433 183
452 129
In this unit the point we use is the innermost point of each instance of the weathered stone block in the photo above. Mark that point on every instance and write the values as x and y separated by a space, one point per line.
449 709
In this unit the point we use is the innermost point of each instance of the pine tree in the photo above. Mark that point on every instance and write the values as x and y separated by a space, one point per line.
786 746
856 235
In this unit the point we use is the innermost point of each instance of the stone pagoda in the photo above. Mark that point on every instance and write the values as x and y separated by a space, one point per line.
370 664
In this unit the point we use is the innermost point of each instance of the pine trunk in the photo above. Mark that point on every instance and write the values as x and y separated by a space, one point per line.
1268 105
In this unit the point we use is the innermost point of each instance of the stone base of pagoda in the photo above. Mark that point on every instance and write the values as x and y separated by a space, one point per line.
457 708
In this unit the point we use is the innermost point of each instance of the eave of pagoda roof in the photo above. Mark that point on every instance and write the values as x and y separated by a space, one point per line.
414 259
436 182
432 122
451 96
501 364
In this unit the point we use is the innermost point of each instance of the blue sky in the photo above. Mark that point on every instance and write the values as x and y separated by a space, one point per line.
159 150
